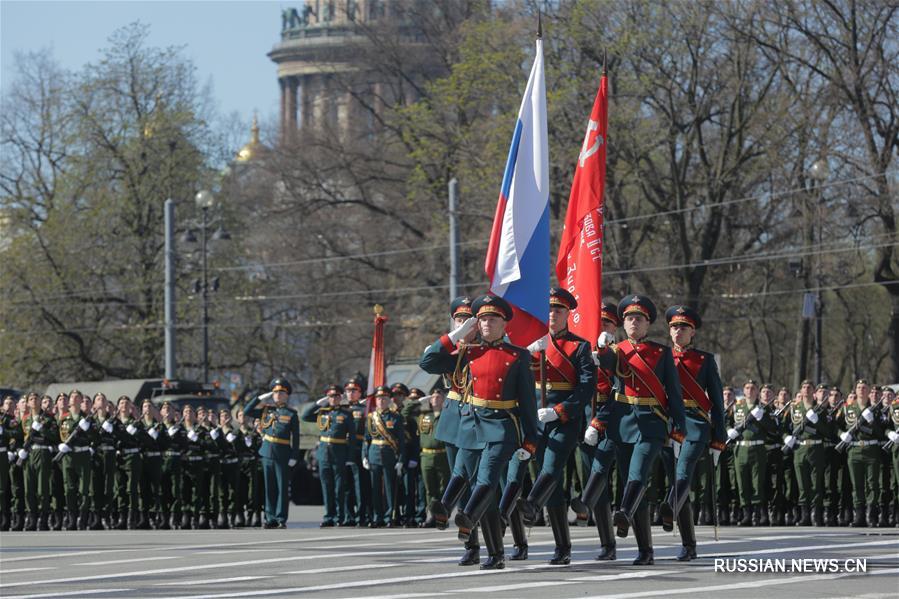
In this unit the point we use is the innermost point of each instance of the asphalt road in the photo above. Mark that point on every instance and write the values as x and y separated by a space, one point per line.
304 561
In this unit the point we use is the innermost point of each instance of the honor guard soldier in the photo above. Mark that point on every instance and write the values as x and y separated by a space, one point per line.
193 468
103 464
600 436
74 436
449 363
250 489
40 434
383 455
434 465
498 420
651 388
337 436
863 433
570 386
704 407
409 482
358 503
279 451
892 447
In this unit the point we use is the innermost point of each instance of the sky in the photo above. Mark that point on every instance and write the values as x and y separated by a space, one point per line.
226 41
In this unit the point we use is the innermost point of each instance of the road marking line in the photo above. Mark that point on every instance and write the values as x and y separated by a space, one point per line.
343 569
25 570
839 546
216 581
88 592
130 560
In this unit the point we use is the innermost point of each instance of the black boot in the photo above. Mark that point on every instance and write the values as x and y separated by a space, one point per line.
872 516
472 555
455 488
603 515
54 522
762 515
680 491
537 498
655 512
203 522
687 534
790 519
519 537
830 517
884 520
30 522
493 538
806 519
818 516
72 523
481 498
643 534
509 501
122 524
630 499
583 505
185 521
778 518
747 517
757 516
222 521
257 520
143 520
724 516
135 520
17 522
859 521
239 521
558 519
43 521
4 521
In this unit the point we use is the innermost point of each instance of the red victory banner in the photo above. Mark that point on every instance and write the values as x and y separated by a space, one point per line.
377 368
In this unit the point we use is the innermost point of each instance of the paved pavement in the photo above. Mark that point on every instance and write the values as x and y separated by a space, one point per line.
304 561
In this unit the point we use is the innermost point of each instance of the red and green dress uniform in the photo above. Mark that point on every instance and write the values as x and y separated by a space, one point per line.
863 460
337 435
809 458
74 433
37 465
280 445
384 450
155 443
751 456
434 464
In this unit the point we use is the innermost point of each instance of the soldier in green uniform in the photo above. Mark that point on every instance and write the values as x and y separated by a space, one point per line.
193 466
230 443
570 386
775 461
434 463
11 436
833 460
884 396
863 456
337 435
58 516
212 475
131 442
170 481
151 469
358 497
808 431
103 464
40 434
74 436
383 455
892 447
279 451
750 453
250 487
404 510
412 410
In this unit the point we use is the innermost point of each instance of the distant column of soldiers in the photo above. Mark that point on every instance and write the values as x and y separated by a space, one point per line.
81 463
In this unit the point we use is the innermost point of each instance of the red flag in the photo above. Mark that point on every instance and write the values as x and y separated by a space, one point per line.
377 368
579 264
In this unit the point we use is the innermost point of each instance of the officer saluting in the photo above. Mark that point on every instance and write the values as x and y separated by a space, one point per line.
279 451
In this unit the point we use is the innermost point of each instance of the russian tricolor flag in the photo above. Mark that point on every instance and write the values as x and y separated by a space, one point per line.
518 261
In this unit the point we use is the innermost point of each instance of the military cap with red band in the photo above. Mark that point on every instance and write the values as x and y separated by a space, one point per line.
683 315
562 298
610 312
491 304
461 306
637 304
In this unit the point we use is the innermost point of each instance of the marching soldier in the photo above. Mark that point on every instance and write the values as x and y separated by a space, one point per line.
170 471
602 433
434 464
570 386
58 516
103 465
11 436
338 435
279 451
886 491
808 431
892 426
651 388
250 487
130 442
358 503
40 434
383 455
212 474
704 407
230 444
863 456
74 431
193 468
155 443
834 461
775 468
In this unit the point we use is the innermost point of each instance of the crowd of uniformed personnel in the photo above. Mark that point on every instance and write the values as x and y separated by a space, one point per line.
633 434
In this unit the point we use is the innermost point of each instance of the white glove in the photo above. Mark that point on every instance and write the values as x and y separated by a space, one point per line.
23 454
399 465
230 437
411 464
716 454
757 412
131 429
214 433
172 430
365 464
539 345
675 447
867 415
605 339
790 441
153 432
595 356
462 330
424 400
85 424
107 426
732 434
812 416
322 401
291 463
193 436
591 436
522 454
10 456
91 450
36 426
894 436
547 415
266 396
63 448
248 441
846 437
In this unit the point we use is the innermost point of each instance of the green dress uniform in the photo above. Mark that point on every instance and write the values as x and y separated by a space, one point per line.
751 456
280 445
175 445
212 475
892 425
41 434
131 443
358 497
434 463
250 496
411 479
103 472
230 444
194 501
863 461
11 436
838 496
155 442
809 431
74 436
337 436
385 448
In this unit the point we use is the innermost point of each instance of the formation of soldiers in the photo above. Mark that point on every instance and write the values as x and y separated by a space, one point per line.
635 434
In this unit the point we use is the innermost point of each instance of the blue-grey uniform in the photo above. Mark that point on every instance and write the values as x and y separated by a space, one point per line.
280 426
703 396
358 502
337 435
384 449
650 386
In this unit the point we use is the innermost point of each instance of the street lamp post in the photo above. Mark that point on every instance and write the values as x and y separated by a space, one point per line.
819 172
